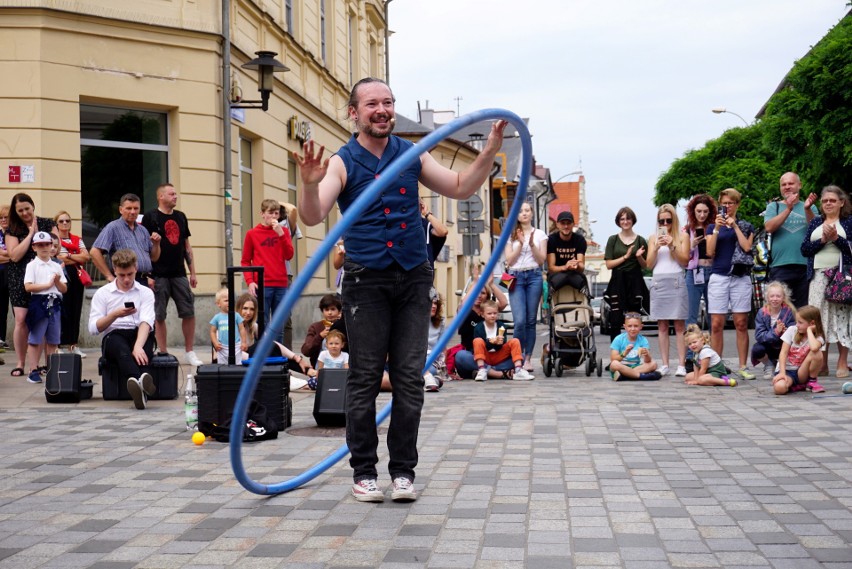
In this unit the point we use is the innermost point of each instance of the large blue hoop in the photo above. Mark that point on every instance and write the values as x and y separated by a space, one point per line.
274 328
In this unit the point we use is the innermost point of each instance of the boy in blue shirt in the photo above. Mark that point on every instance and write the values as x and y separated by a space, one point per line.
630 357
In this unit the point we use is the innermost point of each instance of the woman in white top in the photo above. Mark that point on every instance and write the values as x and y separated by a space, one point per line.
668 254
827 238
525 252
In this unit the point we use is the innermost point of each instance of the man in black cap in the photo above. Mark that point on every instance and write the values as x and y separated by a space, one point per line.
566 255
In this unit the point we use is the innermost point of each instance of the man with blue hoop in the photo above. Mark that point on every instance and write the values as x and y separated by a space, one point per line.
387 276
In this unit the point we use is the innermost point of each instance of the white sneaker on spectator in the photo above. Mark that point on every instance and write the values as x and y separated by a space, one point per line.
481 375
403 490
134 388
664 370
681 371
522 375
367 491
430 382
79 352
192 359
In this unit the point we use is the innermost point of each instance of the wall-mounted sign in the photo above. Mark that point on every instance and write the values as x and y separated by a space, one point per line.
22 174
299 130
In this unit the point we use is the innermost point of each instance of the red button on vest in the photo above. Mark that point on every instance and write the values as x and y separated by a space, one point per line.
403 226
402 190
377 176
390 243
387 210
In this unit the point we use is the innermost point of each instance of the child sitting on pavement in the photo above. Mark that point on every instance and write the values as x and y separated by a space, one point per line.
801 354
490 346
708 367
46 282
630 357
331 308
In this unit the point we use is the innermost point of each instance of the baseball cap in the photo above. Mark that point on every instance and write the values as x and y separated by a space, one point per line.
565 216
42 237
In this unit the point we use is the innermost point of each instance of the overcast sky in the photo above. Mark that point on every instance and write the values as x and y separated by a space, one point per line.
618 88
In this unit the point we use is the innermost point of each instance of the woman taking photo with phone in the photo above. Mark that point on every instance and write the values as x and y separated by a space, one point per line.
729 244
668 253
700 212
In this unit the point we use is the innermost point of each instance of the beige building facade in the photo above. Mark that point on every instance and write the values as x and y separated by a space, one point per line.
104 97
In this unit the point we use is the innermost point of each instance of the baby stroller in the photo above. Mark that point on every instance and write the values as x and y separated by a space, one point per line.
572 338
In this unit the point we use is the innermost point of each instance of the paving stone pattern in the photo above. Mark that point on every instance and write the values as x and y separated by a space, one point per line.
554 473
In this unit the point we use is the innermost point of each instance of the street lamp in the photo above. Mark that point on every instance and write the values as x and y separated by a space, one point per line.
265 64
472 137
720 110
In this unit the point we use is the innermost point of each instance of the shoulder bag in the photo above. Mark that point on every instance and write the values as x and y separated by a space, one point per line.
839 287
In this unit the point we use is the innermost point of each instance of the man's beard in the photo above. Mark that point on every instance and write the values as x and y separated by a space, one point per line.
367 128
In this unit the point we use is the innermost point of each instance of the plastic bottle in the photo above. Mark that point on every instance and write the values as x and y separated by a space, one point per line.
190 405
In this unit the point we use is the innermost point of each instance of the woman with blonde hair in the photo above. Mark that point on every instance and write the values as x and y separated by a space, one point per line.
74 255
668 254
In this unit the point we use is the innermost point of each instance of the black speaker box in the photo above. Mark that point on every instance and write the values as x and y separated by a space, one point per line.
330 399
64 372
162 367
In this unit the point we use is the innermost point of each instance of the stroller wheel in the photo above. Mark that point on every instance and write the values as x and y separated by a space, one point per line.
547 366
557 368
600 367
589 364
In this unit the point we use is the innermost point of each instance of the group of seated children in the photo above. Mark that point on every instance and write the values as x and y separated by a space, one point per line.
490 346
328 343
788 342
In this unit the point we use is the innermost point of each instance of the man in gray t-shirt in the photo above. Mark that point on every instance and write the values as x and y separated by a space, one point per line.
787 220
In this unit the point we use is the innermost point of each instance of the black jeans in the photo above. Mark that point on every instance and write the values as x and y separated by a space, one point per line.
117 347
796 278
387 315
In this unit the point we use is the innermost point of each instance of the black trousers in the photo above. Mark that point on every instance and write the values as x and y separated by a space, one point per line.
117 347
72 307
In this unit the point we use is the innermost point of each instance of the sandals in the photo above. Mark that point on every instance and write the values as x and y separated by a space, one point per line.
18 372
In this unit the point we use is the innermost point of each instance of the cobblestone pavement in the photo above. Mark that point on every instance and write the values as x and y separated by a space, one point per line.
568 472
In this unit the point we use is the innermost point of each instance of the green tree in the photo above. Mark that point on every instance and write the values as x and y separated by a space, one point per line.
807 122
737 159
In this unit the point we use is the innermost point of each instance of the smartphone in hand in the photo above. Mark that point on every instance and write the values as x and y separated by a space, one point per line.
129 305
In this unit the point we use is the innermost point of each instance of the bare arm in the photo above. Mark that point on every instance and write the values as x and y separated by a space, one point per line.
190 262
462 185
101 264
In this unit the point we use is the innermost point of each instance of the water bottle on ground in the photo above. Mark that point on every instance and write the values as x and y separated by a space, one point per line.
190 404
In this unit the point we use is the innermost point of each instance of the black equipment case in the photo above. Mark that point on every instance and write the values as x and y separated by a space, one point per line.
219 385
162 367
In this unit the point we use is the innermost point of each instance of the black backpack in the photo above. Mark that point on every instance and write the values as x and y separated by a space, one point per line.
258 427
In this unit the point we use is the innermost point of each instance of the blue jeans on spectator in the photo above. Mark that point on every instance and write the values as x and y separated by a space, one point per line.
272 297
387 315
694 293
524 299
466 366
796 279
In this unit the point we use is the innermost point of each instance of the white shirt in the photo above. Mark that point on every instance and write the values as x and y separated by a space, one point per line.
525 259
41 272
109 298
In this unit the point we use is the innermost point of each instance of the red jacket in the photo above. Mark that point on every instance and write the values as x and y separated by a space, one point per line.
263 247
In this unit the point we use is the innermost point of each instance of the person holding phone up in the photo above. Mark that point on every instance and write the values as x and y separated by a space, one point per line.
123 311
700 212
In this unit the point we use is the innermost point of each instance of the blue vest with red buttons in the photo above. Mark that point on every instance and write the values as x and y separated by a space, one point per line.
390 229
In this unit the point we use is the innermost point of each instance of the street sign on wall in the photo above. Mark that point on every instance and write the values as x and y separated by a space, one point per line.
471 208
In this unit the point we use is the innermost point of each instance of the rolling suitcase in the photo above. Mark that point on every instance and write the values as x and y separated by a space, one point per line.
218 385
64 374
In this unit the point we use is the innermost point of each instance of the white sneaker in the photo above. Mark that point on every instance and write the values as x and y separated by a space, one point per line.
664 370
79 352
146 380
681 371
430 383
192 359
403 490
481 375
523 375
134 388
367 491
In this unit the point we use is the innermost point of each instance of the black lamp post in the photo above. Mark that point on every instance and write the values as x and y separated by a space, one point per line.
472 137
265 64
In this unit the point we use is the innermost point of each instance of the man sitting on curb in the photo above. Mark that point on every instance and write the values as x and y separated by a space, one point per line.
123 311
